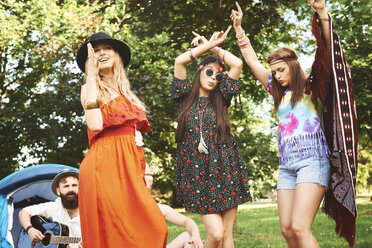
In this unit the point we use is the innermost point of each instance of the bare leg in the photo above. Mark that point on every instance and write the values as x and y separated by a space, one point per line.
228 217
285 204
214 227
305 206
181 241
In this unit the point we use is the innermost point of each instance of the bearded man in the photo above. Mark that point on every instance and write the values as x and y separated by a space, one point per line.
64 209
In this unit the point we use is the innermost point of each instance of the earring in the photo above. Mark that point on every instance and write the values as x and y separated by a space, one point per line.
201 67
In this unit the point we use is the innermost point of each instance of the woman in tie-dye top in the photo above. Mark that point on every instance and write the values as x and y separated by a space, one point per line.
303 152
300 131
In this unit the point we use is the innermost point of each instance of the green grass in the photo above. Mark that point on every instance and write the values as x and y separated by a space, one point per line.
258 226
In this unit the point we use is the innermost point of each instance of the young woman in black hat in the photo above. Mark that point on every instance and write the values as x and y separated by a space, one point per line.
211 176
116 208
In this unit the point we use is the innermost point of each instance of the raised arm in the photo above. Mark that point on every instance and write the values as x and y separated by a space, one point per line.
319 7
187 57
89 93
250 57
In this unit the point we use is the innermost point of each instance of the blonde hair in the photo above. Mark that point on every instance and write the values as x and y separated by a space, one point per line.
122 81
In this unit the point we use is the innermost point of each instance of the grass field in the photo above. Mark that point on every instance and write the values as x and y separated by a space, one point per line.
258 226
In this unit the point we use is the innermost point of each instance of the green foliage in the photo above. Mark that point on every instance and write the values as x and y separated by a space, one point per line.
40 112
257 144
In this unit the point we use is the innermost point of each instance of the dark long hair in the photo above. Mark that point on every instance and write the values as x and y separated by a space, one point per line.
223 130
298 77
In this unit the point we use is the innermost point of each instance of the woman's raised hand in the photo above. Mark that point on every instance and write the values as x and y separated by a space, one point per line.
237 15
317 4
219 37
91 64
198 39
216 39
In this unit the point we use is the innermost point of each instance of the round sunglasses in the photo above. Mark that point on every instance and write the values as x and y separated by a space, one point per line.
209 72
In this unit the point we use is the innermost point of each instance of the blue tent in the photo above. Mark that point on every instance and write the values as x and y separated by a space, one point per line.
25 187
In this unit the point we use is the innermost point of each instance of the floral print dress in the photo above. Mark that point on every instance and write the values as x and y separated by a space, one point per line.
214 181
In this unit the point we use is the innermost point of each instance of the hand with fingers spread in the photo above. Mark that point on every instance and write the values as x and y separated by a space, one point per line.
237 15
92 62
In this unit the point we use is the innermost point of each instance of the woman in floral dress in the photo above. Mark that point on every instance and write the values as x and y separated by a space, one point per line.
211 176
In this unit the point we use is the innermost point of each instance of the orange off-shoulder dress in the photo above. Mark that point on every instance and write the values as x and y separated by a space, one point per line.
116 209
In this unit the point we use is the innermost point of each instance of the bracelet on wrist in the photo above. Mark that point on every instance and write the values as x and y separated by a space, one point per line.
148 174
323 19
239 36
243 42
191 55
28 228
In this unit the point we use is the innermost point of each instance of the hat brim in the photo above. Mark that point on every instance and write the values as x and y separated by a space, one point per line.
60 175
119 46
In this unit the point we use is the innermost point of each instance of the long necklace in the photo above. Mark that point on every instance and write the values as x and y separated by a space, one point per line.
202 145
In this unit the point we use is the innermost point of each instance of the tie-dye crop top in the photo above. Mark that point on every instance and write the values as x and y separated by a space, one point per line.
300 133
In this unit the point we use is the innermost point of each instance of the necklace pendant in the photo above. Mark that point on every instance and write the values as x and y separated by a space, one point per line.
202 146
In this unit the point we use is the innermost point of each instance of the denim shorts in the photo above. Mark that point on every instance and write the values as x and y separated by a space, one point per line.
308 170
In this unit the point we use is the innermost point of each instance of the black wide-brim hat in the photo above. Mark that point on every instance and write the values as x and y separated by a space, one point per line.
99 38
60 175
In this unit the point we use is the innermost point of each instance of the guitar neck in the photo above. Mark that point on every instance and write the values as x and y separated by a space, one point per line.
64 240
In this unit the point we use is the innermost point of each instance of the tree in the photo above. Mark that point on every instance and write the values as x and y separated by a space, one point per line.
40 111
39 86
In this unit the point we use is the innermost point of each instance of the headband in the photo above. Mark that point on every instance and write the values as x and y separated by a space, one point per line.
282 60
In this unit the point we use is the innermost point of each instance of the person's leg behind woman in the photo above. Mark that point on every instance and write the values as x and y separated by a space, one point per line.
214 227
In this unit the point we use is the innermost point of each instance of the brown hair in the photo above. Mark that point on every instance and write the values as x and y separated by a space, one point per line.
298 77
223 133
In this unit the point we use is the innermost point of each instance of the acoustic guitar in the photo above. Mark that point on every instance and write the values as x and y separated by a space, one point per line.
56 234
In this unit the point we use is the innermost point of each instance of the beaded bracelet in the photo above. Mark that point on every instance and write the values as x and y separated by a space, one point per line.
240 35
